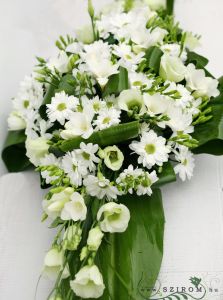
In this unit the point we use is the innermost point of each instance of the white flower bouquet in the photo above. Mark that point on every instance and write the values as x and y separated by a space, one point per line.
119 112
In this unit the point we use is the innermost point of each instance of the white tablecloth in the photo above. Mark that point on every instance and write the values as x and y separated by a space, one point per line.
194 211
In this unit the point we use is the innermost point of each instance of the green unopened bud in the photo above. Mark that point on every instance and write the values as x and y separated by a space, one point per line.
72 238
90 8
94 239
84 253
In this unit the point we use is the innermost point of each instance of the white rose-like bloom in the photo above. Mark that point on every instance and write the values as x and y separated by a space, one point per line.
172 68
113 217
88 283
198 82
130 100
94 240
85 34
36 149
53 264
156 4
16 122
75 209
55 205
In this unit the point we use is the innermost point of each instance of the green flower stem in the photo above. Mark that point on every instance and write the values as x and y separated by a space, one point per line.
107 137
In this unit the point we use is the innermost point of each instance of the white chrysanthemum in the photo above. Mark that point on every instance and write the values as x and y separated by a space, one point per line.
59 62
73 168
200 84
186 166
127 179
88 283
97 58
113 217
100 187
86 155
146 182
107 117
152 149
61 107
75 209
137 80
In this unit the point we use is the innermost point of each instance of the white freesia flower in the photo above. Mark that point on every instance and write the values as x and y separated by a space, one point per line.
172 68
75 209
100 187
179 120
156 4
145 38
61 107
186 166
174 50
16 122
53 264
36 149
200 84
131 100
113 157
59 62
85 34
107 117
49 160
95 237
74 48
55 205
152 149
156 104
191 41
74 169
88 283
87 157
79 125
146 182
97 57
113 217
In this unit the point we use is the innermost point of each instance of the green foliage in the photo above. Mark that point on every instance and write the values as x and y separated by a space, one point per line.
117 83
63 42
153 57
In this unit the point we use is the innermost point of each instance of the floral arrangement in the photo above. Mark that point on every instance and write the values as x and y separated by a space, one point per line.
119 112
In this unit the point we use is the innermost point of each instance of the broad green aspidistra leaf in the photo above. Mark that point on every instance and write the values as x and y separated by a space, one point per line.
153 57
117 83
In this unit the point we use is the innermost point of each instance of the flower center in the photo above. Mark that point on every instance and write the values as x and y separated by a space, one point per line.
26 103
86 155
113 156
106 120
150 149
146 182
61 106
185 162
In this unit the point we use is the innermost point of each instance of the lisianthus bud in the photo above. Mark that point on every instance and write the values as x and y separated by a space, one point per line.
113 158
36 149
115 217
131 101
88 283
56 297
53 264
172 68
72 237
85 34
156 4
90 8
84 253
94 239
16 122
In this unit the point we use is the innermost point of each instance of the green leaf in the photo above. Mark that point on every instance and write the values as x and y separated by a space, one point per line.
153 56
47 100
210 134
130 261
199 61
107 137
14 152
67 85
117 83
170 7
167 175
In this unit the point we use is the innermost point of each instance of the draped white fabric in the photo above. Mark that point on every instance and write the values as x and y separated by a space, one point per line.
194 211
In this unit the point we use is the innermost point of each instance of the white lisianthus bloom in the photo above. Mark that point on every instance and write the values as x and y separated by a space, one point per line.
36 149
113 157
59 62
200 84
86 155
100 187
88 283
74 169
107 117
95 237
144 187
156 104
97 57
55 205
152 149
186 166
172 68
16 122
85 34
75 209
61 107
174 50
131 100
79 125
156 4
53 264
113 217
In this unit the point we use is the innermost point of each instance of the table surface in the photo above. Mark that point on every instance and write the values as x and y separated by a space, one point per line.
194 211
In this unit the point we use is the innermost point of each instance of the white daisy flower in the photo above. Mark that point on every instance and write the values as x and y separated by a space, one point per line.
137 80
86 155
145 185
73 168
100 187
127 179
61 107
152 149
107 117
186 166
